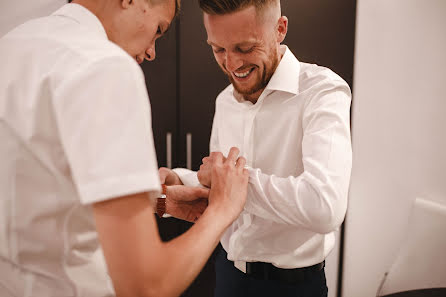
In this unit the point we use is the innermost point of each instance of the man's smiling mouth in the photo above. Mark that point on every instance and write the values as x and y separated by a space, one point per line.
243 74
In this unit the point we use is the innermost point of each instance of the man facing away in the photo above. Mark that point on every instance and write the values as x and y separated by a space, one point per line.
291 122
78 163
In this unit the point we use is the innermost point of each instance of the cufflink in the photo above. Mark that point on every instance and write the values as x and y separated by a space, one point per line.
161 202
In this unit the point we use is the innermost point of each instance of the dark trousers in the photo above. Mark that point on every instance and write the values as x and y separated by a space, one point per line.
231 282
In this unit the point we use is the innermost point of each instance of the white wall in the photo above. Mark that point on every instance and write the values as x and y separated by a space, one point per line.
398 130
16 12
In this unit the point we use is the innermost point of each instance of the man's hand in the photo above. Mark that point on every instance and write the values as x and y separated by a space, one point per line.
229 184
205 172
168 177
186 203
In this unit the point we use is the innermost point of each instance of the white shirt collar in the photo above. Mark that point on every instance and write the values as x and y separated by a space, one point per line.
83 16
286 76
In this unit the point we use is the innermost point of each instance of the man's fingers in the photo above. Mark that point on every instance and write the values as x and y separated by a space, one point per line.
186 194
217 157
233 154
241 162
162 179
201 192
212 155
163 174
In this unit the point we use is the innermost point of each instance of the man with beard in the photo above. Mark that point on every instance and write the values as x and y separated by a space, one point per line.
291 122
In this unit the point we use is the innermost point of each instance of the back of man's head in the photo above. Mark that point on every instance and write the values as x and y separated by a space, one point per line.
221 7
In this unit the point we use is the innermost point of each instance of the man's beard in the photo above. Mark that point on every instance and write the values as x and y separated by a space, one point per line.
262 82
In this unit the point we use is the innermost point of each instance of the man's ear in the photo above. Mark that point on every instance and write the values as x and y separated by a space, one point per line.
282 28
126 3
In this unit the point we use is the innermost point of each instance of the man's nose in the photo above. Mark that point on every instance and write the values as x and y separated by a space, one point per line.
233 62
151 53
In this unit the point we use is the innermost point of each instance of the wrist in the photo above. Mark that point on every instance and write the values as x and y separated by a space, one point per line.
174 178
219 214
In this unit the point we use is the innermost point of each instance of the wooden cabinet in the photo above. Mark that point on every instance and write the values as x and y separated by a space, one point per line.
183 82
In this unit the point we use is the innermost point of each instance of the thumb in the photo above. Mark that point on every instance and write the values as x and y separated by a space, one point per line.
163 173
192 193
162 178
202 192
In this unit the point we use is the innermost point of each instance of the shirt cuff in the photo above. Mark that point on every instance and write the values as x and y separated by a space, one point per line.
188 177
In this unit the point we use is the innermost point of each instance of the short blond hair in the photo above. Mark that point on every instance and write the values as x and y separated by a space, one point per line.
177 4
221 7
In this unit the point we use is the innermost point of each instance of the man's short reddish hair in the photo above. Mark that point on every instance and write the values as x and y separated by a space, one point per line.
228 6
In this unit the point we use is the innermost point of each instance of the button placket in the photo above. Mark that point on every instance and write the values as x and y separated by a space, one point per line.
247 147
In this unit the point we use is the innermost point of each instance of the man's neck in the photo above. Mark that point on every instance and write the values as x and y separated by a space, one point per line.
253 97
100 9
92 6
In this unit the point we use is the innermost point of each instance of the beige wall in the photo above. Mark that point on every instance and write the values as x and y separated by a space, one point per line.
332 268
398 130
16 12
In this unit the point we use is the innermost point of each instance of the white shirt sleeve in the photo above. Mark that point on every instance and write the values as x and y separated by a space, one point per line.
104 121
188 177
317 199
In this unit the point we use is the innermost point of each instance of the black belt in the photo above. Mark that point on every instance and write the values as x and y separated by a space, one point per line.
267 271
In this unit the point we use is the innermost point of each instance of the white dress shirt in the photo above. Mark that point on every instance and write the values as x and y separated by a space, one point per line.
296 139
75 129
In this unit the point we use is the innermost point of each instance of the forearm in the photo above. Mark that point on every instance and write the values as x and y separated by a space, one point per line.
185 256
138 262
304 201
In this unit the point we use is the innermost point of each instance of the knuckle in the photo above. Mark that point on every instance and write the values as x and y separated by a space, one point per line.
227 166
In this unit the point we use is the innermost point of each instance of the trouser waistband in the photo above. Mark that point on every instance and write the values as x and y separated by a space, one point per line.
267 271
